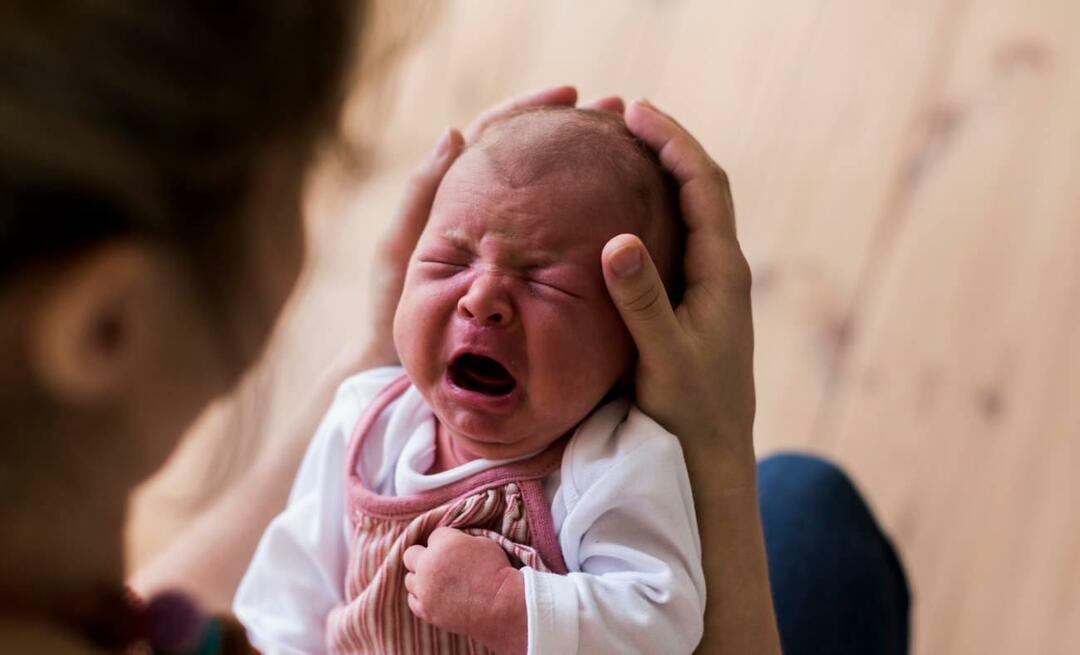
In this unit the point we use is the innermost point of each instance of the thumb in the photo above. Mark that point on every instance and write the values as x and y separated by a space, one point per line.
638 293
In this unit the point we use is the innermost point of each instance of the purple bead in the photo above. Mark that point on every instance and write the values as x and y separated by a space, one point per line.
174 622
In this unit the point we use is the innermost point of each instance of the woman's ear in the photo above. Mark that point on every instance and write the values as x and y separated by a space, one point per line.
90 325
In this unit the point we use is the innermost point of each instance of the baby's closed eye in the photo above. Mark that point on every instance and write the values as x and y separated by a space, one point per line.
439 254
442 262
567 278
539 280
553 285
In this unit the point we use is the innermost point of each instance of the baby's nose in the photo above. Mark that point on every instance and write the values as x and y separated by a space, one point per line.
487 302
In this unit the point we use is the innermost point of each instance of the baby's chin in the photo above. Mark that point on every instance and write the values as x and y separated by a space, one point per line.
483 437
496 450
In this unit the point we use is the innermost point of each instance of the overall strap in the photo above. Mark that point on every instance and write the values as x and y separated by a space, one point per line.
545 539
389 394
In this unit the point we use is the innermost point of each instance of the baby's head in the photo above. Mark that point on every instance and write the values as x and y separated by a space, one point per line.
505 325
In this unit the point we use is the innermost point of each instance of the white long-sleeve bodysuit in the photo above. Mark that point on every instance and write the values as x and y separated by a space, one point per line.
620 504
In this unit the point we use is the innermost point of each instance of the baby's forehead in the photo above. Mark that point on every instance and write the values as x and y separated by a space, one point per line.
578 157
572 142
555 212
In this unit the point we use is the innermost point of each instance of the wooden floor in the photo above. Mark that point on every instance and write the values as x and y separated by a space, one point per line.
907 181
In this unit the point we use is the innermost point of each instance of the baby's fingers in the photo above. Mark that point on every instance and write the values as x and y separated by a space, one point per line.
442 537
417 608
412 557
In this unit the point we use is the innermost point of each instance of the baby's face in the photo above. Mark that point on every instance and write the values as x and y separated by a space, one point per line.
505 325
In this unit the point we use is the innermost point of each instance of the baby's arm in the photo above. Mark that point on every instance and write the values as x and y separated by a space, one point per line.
296 576
630 539
465 584
294 579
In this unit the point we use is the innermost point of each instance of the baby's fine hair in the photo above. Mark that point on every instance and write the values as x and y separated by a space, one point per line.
531 143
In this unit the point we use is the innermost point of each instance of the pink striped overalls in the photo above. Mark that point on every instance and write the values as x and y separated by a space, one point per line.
506 504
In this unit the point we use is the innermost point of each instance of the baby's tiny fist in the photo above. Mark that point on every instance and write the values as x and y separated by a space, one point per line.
465 584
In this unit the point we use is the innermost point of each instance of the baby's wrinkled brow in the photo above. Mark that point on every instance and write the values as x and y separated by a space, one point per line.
510 257
457 238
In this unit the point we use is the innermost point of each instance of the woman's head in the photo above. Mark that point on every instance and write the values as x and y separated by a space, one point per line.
151 160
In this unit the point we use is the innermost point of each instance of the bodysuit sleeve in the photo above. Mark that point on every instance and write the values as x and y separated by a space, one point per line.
628 533
296 576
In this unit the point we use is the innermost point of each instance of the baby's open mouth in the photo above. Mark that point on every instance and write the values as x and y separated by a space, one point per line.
482 375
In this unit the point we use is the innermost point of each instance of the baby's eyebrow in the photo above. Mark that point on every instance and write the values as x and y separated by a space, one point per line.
527 261
513 259
456 239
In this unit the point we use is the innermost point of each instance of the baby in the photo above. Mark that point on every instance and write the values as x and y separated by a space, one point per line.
502 495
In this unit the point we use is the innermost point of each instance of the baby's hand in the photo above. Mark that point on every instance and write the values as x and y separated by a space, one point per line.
466 585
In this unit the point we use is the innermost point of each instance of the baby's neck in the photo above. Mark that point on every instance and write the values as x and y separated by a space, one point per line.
447 453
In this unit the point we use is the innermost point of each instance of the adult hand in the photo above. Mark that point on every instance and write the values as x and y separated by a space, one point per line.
695 367
398 241
695 376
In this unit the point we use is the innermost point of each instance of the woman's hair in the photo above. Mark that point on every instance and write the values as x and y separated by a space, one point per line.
148 119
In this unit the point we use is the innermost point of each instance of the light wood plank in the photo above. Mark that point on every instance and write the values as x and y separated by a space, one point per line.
957 405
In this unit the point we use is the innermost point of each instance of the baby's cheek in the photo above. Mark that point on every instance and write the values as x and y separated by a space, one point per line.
418 331
589 350
613 354
612 333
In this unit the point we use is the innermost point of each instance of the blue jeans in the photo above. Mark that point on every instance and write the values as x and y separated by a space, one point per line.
838 586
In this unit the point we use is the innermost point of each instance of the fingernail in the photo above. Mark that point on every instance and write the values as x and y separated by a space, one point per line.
644 102
443 147
626 261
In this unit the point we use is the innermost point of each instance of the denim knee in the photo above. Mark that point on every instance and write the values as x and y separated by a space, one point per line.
811 486
838 585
